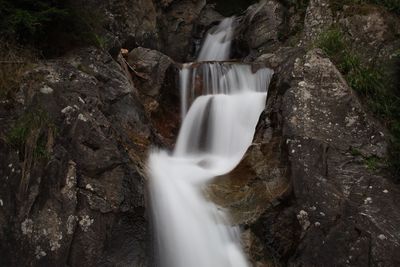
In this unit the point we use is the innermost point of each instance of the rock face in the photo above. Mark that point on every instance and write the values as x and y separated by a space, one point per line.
156 76
164 25
177 26
78 199
345 208
322 203
318 18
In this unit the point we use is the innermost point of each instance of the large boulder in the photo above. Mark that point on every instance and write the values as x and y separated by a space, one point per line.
156 76
262 25
347 205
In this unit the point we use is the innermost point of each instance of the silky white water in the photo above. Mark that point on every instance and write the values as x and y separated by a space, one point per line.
221 104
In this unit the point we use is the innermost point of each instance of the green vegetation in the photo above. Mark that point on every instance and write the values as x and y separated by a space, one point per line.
391 5
377 87
30 132
355 152
52 26
14 62
372 163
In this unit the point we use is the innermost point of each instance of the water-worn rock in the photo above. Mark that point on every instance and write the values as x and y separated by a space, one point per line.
78 175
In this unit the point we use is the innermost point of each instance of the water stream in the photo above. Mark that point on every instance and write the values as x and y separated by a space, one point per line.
221 103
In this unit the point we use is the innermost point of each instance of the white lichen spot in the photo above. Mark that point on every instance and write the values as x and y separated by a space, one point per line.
368 200
81 100
27 227
46 90
351 120
322 214
1 203
385 191
370 187
89 187
54 240
302 83
10 165
54 245
317 224
293 151
382 237
303 219
85 222
70 181
39 253
67 110
71 224
313 208
82 117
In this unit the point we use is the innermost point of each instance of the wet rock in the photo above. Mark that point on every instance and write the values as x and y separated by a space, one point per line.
176 26
150 67
256 183
157 76
263 24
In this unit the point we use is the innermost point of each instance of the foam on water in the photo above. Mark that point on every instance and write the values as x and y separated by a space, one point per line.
221 104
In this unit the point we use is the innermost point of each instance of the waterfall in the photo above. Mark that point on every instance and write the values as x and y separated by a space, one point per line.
220 103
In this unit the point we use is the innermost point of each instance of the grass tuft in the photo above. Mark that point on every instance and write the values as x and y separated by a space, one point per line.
31 124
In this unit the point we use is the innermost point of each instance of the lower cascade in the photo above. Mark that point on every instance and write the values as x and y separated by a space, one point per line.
221 105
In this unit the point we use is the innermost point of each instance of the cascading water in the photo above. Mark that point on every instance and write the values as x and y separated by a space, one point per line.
225 100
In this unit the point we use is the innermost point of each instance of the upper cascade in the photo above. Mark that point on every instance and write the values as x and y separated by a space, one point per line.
217 46
220 103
